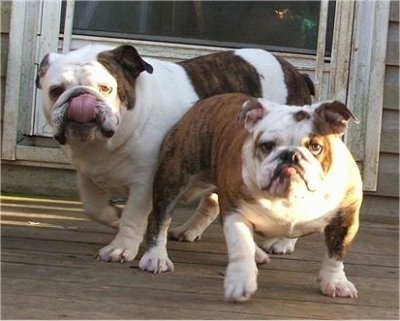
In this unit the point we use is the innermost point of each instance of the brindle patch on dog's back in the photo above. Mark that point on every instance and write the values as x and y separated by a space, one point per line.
300 86
222 73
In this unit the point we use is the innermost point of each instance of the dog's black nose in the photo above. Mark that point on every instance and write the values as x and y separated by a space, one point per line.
290 157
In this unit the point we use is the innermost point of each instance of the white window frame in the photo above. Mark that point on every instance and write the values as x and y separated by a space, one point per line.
335 78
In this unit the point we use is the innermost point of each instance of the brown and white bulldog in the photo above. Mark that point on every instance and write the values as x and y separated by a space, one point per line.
110 109
279 171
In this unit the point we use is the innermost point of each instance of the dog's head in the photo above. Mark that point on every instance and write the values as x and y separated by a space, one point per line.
86 91
291 149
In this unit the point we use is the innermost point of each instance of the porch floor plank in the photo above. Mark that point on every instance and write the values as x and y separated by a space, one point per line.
49 272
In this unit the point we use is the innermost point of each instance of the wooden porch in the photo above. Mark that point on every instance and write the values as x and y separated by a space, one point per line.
49 272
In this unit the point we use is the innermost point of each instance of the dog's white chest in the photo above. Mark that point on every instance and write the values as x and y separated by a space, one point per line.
291 218
110 173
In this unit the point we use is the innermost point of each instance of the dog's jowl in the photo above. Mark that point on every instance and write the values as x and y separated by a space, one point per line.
279 171
110 109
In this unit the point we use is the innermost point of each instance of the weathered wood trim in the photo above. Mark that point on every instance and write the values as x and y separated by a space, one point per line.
19 71
320 58
47 41
42 154
341 50
68 25
375 96
366 85
176 52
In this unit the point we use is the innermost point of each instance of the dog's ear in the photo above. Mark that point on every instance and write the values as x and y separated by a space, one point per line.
44 66
336 115
251 113
128 58
125 64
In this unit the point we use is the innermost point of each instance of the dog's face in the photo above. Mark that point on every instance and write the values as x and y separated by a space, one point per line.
87 91
291 149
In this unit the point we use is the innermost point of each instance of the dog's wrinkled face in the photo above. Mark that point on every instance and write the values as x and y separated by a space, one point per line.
86 93
290 149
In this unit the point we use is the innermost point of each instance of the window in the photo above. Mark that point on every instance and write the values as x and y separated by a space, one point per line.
287 26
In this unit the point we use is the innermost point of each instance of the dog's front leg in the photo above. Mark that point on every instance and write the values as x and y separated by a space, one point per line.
132 228
96 202
241 275
338 236
156 259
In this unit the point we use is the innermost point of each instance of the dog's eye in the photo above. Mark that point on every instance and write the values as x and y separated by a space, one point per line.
315 148
56 92
105 90
267 147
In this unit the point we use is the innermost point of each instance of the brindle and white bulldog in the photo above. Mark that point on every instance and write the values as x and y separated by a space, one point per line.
110 109
280 171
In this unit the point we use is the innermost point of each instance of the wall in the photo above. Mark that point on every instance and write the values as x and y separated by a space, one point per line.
383 205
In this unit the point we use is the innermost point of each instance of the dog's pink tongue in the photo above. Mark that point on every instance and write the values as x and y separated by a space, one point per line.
288 171
82 109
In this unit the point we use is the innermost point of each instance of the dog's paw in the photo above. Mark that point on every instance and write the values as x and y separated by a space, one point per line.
156 260
261 257
181 233
119 250
279 245
338 287
333 280
240 281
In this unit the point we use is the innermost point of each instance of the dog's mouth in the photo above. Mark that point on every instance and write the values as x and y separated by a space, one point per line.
82 109
80 118
286 178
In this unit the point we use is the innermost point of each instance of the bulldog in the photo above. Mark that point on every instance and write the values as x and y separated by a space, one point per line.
110 109
279 171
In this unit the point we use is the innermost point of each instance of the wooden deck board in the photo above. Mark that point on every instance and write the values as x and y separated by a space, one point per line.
49 272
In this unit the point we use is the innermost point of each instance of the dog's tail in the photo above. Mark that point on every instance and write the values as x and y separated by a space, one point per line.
309 84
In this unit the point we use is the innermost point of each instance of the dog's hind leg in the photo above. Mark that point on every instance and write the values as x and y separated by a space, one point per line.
206 213
279 245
